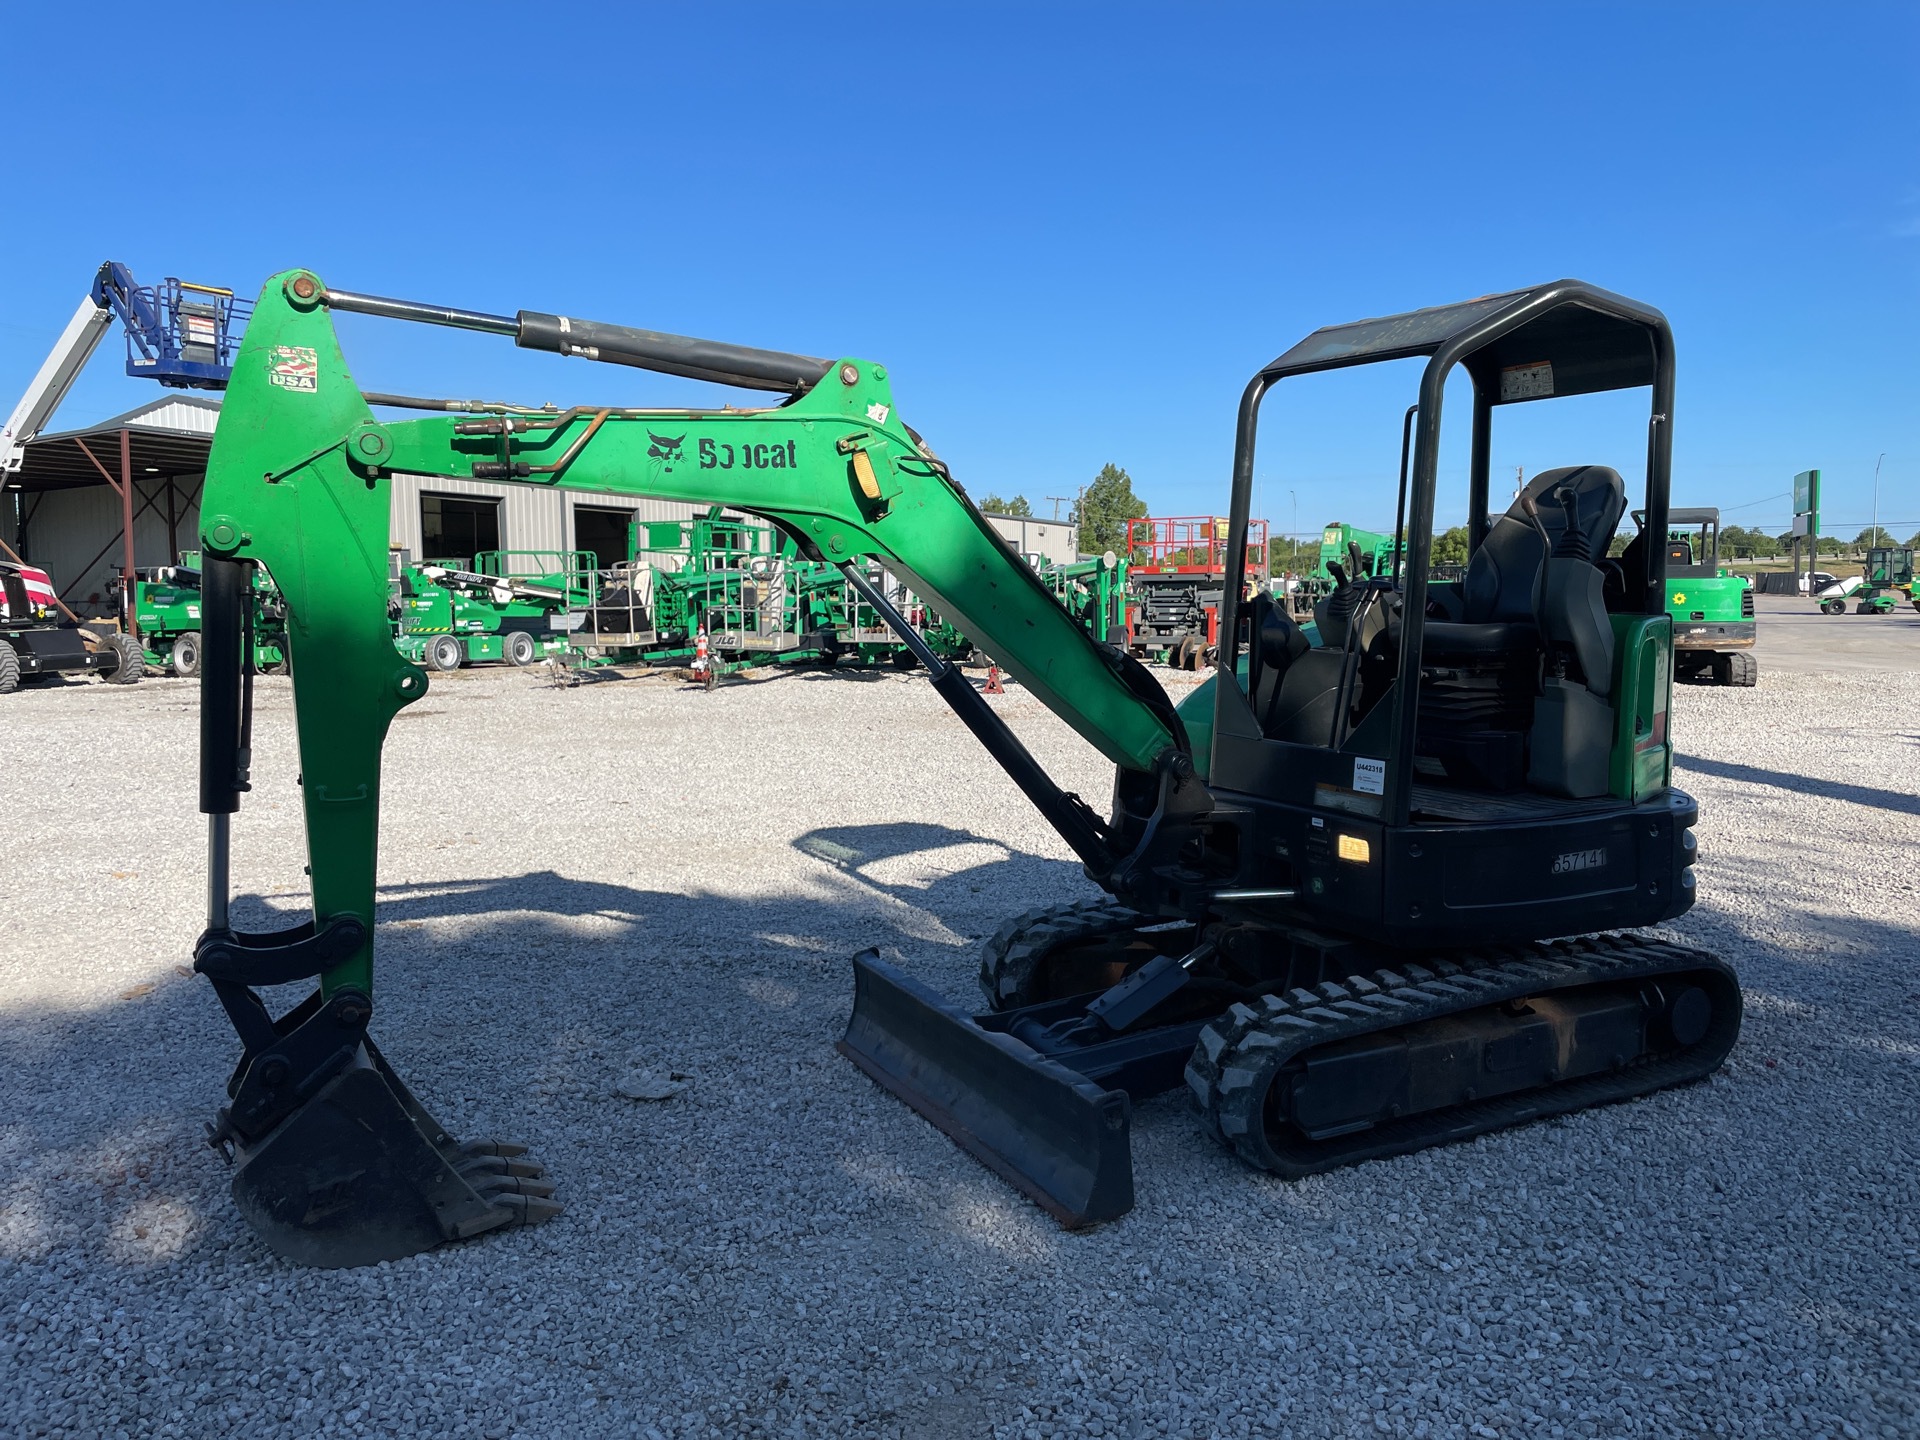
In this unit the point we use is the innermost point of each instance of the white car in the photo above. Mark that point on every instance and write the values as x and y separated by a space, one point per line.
1821 580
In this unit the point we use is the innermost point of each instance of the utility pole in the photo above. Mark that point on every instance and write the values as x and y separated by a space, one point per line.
1876 498
1058 501
1519 480
1293 536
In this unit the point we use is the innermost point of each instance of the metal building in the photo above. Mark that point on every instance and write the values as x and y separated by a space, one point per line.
1054 540
70 507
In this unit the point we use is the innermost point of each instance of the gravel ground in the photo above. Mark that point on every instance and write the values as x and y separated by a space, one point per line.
629 875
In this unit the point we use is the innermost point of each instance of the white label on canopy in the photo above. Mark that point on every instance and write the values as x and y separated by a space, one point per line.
1369 776
1526 382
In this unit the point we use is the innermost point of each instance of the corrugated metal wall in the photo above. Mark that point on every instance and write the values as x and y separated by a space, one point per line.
531 517
74 535
68 530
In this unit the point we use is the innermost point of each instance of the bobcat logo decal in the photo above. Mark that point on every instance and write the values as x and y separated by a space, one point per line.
665 449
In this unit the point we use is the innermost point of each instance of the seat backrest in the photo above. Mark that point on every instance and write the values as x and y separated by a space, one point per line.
1500 583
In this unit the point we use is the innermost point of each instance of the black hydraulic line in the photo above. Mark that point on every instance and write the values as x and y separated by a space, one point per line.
1067 813
417 402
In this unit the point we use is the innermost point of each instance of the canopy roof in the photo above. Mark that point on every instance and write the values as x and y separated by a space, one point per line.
1562 338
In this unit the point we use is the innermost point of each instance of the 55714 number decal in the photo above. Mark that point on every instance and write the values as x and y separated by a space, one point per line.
717 455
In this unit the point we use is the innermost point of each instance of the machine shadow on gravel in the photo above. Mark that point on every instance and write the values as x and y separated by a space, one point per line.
517 949
1867 952
75 1171
856 850
1899 802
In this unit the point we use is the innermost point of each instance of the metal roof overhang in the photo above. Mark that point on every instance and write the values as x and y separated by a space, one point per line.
57 462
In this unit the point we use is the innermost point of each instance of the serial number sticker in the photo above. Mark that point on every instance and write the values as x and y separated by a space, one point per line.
1369 776
1576 860
295 367
1526 382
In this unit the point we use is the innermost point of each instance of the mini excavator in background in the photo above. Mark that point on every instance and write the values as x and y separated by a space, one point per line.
1374 885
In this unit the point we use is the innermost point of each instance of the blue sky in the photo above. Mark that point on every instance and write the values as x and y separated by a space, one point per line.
1070 231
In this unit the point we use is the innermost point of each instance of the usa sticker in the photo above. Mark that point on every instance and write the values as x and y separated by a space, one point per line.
1369 776
295 367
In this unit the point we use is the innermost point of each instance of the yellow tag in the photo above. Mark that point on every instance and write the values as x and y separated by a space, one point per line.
863 472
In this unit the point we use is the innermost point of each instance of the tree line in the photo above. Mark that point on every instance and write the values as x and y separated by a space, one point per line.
1107 502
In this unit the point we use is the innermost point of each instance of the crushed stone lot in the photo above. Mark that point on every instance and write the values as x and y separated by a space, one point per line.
630 877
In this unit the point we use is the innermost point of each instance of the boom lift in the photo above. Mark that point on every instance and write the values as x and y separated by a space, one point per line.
1336 871
180 334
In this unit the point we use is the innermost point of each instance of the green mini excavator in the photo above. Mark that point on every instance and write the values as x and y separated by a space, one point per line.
1373 886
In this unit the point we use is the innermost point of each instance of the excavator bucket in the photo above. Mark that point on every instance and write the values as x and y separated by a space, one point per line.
1053 1134
359 1173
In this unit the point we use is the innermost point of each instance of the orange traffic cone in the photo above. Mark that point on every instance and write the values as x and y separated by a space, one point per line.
993 685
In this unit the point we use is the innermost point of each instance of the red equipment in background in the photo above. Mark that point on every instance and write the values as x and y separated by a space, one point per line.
1177 567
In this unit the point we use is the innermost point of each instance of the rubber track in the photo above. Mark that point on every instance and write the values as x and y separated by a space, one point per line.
1239 1053
1013 953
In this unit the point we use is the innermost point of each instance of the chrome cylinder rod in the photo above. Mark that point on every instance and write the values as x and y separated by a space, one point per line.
219 869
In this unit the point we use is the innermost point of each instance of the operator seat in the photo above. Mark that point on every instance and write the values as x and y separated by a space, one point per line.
1528 605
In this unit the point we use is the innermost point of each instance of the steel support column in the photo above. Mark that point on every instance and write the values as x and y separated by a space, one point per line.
127 608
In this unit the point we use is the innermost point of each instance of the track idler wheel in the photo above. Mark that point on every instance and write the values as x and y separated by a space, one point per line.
336 1164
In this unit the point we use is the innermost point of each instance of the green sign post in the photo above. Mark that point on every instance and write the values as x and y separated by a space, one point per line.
1806 520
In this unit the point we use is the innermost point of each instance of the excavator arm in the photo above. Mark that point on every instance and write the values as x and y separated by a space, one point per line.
299 481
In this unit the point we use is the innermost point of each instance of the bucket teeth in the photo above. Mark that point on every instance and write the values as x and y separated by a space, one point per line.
481 1165
492 1187
528 1209
508 1148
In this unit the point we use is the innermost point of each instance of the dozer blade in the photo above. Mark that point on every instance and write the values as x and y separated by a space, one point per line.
1056 1136
358 1172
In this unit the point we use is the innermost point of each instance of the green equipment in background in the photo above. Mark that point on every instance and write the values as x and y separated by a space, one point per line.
727 577
1711 606
1886 580
166 609
1095 593
446 615
1336 548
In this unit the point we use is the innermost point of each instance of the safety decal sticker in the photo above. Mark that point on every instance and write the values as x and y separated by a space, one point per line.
295 367
1369 776
877 413
1526 382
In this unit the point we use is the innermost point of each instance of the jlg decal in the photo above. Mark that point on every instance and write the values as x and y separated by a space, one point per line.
748 457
